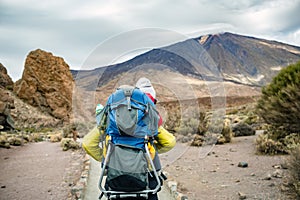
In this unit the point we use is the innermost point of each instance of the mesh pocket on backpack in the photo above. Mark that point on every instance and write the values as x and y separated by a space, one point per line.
127 169
126 119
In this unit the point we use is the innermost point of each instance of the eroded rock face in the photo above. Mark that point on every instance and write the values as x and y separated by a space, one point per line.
6 101
46 83
6 104
27 116
5 80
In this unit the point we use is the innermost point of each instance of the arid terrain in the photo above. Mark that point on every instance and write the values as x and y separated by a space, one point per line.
217 175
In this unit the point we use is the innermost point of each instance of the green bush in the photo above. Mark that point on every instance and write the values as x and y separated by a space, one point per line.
279 104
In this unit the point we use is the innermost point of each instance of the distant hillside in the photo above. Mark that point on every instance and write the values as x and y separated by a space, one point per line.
248 59
230 57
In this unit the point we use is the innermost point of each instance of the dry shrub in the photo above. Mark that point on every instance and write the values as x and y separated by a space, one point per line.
67 132
183 130
37 137
294 171
266 145
15 141
252 118
188 126
226 131
292 141
209 137
56 137
173 119
197 141
80 128
27 138
277 141
68 143
4 142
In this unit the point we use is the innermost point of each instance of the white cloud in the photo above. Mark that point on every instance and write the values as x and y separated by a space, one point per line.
272 16
73 28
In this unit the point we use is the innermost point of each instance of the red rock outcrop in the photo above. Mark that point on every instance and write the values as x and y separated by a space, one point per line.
47 83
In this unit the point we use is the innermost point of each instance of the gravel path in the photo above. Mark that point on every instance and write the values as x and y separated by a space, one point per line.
38 171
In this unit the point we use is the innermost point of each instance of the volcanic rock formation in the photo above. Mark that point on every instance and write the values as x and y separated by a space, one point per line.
46 83
6 101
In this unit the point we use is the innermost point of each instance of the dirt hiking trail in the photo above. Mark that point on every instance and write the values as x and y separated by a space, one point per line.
38 171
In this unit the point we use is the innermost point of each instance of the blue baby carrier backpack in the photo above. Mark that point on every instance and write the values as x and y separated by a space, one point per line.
130 120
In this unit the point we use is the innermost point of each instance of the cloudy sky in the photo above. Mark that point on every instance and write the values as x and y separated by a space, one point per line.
73 29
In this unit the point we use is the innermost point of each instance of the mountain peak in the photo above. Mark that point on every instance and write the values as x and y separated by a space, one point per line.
240 59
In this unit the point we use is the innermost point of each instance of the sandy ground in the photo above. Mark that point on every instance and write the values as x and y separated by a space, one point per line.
38 171
217 175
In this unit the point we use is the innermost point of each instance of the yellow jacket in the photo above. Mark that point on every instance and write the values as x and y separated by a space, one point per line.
164 142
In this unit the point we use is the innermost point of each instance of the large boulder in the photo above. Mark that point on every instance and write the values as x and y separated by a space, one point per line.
6 101
47 83
5 80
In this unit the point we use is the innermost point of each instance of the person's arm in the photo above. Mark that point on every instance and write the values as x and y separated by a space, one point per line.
165 141
90 144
